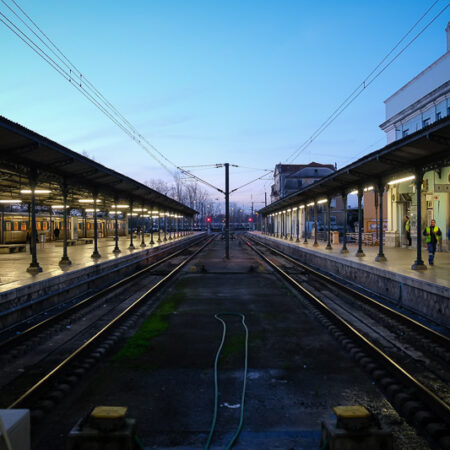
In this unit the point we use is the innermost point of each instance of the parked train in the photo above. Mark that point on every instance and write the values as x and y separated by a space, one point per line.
15 227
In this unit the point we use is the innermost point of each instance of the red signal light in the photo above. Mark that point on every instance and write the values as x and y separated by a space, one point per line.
250 219
208 219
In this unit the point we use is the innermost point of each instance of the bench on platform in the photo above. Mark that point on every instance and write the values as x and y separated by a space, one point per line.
367 238
69 242
85 241
12 248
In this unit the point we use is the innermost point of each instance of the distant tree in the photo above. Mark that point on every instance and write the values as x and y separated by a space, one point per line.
85 153
159 185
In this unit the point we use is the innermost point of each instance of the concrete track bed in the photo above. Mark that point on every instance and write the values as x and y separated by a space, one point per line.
297 372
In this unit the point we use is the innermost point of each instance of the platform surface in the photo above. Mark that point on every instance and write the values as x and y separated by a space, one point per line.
13 266
399 260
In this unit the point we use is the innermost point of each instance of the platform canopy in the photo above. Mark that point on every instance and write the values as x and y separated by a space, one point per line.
426 149
25 154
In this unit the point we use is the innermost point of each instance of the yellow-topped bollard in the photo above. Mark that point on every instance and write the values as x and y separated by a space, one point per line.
354 429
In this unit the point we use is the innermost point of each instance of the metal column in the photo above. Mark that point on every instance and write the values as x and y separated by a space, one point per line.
305 241
95 253
227 210
130 226
344 245
316 244
380 257
360 252
65 261
329 247
34 267
419 264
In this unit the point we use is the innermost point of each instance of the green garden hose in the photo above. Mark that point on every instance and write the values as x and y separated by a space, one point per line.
216 385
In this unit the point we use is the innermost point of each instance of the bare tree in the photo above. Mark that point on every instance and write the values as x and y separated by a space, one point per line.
159 185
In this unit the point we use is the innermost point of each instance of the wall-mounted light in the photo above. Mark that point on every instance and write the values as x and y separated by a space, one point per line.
401 180
11 201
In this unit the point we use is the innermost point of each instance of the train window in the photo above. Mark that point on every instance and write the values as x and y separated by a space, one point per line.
8 226
44 225
23 226
38 225
16 226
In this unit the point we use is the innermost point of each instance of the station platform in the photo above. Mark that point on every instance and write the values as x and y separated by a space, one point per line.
22 294
426 292
13 266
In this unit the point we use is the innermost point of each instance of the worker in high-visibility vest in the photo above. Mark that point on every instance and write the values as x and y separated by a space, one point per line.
408 230
432 233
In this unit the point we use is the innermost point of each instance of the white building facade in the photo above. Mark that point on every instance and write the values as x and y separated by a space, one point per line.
420 102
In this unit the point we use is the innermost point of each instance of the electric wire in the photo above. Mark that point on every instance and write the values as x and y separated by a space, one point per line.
40 52
88 90
250 182
216 382
365 83
102 103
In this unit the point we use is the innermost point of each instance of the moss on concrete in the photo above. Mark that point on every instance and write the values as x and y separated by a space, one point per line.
155 325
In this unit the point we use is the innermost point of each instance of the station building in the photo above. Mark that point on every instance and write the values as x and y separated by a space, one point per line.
418 104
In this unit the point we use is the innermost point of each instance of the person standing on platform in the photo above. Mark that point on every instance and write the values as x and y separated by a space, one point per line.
56 233
432 233
408 230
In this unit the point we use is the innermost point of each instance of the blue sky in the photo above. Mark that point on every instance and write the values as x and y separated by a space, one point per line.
209 82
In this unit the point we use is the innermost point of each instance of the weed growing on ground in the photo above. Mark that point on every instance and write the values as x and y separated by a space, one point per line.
155 325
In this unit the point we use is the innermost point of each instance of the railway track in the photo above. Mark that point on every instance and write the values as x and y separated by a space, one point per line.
407 360
63 353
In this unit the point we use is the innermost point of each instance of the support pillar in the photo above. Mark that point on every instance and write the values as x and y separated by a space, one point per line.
159 228
329 247
419 264
316 244
65 261
95 253
344 249
292 225
165 227
116 229
360 252
306 229
34 266
143 244
152 224
130 226
380 257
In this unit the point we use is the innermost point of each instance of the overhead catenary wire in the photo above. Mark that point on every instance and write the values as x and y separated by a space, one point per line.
73 75
366 82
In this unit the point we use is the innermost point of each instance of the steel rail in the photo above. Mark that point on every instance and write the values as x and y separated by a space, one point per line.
75 285
437 337
36 388
37 328
429 398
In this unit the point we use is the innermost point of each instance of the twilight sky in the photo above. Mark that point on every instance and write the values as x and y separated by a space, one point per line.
244 82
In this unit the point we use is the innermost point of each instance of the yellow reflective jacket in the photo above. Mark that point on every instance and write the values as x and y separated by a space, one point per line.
427 233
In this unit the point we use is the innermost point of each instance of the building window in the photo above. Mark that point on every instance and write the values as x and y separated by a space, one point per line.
425 122
438 115
405 132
